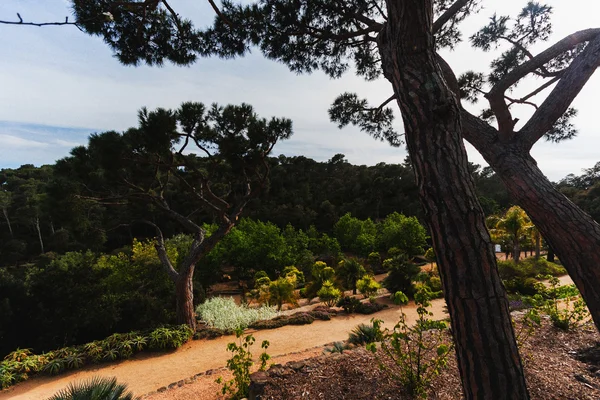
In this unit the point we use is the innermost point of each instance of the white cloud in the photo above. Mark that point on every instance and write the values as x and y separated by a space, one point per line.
10 142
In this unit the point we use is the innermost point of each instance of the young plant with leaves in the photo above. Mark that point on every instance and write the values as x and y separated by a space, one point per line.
421 351
240 363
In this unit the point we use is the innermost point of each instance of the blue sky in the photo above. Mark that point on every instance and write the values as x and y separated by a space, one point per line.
58 85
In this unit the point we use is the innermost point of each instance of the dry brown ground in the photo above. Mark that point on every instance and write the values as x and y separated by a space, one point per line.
552 373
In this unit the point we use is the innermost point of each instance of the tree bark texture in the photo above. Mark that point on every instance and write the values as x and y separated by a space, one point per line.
184 292
488 359
571 233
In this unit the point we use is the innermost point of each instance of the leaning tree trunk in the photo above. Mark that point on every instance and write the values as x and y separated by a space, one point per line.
488 359
570 232
184 294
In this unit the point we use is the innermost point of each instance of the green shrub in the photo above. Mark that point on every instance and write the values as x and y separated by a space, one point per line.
528 268
370 308
365 334
338 347
329 294
94 389
297 274
368 286
239 364
565 313
419 359
223 313
349 304
402 273
169 338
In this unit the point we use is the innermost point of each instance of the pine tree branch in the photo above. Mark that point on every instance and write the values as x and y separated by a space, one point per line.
449 14
561 97
162 251
496 94
220 14
568 43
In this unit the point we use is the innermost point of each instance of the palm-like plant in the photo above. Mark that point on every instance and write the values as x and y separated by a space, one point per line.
350 272
96 388
515 224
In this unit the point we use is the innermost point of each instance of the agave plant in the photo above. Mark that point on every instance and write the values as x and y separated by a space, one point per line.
96 388
55 366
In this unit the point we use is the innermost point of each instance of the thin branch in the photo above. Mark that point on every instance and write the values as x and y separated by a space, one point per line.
40 24
537 91
561 97
448 15
162 251
220 14
175 16
520 101
385 103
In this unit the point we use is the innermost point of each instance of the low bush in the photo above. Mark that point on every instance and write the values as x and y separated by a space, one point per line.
365 334
223 313
367 286
96 388
349 304
370 308
353 305
299 318
528 268
329 294
402 274
21 364
320 315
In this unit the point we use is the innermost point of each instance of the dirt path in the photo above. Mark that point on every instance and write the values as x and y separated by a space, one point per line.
148 372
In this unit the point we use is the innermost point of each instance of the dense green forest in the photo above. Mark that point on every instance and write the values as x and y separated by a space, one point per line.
45 209
76 267
74 270
77 261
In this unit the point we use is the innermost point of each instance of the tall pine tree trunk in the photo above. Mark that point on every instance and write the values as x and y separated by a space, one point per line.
516 249
184 293
538 244
486 349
